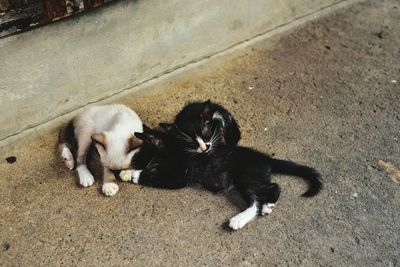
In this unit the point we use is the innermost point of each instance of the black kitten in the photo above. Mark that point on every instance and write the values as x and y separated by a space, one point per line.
159 161
246 170
201 150
162 159
201 122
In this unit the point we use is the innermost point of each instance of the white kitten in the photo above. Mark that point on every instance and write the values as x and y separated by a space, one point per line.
110 128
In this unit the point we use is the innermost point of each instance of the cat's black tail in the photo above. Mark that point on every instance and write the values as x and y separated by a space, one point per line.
310 175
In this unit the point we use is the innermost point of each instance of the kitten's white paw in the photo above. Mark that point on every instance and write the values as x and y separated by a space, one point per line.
85 177
68 157
267 208
126 175
237 222
135 176
110 189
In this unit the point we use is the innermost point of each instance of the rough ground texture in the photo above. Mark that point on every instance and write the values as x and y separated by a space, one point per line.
323 95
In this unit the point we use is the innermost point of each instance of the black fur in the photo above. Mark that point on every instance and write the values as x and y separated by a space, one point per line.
160 161
197 118
170 161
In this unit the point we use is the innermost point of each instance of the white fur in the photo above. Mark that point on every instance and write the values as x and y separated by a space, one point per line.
118 122
136 175
267 208
202 145
110 189
237 222
85 177
130 175
126 175
217 116
67 156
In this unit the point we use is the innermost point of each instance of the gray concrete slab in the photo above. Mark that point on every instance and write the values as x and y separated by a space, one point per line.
324 95
53 70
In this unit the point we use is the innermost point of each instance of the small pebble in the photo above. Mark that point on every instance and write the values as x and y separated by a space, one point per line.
355 195
11 160
5 246
393 81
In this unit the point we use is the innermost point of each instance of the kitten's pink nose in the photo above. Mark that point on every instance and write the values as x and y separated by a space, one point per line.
203 147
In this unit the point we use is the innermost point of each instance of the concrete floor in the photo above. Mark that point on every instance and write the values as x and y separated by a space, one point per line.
323 95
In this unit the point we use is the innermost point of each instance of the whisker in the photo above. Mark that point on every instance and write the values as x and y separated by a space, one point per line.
217 137
150 161
187 136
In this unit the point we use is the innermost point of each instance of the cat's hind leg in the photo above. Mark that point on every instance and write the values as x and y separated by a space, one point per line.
268 196
67 156
267 208
159 179
84 141
67 145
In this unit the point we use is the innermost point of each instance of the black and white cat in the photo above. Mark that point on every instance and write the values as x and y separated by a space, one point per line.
162 159
101 141
201 148
199 121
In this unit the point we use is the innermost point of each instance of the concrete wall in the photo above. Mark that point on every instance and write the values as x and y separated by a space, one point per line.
55 69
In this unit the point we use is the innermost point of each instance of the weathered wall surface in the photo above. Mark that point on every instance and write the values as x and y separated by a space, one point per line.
53 70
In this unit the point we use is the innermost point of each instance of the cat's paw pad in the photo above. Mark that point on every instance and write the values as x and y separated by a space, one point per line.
68 157
110 189
135 176
126 175
236 223
86 179
267 208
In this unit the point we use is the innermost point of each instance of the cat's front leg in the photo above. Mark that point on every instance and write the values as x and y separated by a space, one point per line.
126 175
109 187
240 220
161 180
86 179
130 175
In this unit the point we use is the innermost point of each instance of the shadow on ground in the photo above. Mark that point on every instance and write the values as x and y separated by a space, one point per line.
324 95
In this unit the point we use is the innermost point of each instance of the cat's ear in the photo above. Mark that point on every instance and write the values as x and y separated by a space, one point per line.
150 139
134 142
146 128
166 126
206 111
100 138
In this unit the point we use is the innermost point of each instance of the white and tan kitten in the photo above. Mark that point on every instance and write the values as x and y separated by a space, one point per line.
109 129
